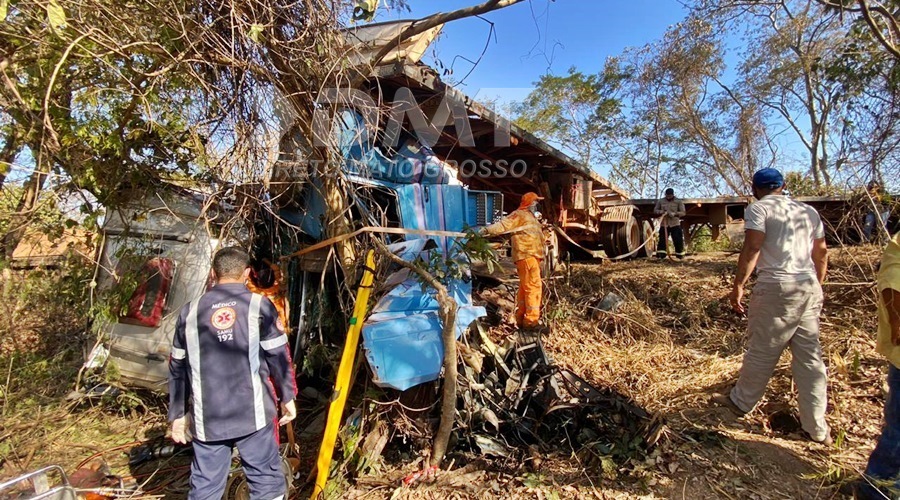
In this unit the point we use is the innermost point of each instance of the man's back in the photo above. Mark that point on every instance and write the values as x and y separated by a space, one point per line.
527 237
790 228
231 338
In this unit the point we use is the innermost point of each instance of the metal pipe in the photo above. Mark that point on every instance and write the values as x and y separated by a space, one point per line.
301 323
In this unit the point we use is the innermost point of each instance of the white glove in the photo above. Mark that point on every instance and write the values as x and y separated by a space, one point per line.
288 412
181 430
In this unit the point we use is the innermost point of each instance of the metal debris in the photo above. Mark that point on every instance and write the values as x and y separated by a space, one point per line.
518 403
610 302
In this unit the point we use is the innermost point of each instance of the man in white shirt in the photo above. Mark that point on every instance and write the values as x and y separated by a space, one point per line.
785 242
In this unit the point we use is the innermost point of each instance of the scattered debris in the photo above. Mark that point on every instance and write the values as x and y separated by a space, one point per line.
425 474
156 450
609 303
517 403
491 447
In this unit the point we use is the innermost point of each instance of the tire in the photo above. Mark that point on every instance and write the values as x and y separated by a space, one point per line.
608 238
552 254
620 238
649 238
630 236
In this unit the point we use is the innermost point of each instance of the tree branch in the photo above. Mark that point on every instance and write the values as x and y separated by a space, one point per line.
426 23
447 313
876 30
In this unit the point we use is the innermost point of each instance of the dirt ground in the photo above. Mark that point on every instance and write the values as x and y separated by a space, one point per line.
671 345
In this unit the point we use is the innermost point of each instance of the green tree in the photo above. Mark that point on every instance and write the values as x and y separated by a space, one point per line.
706 134
870 139
583 114
788 46
659 114
575 110
879 19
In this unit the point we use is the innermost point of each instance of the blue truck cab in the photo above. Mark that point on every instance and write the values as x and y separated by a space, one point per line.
413 190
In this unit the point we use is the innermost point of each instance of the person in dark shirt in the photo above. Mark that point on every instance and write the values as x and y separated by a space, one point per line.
876 219
229 358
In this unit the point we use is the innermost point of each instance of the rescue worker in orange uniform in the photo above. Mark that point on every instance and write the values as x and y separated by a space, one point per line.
258 284
527 252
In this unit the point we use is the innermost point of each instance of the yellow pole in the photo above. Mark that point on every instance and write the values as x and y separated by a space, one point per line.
341 385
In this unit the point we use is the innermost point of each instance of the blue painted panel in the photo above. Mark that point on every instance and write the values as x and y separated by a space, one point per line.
310 218
405 351
408 296
413 163
408 250
412 209
402 336
454 208
417 163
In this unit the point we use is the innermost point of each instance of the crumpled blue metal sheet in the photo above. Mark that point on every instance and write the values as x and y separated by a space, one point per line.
413 163
407 350
408 295
402 336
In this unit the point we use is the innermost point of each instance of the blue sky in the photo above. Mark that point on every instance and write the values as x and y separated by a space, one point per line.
550 36
540 36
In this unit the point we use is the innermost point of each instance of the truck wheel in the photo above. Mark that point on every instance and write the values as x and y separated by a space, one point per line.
620 238
630 236
648 236
552 254
608 238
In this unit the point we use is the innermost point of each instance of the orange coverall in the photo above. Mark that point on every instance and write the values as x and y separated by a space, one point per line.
527 252
273 293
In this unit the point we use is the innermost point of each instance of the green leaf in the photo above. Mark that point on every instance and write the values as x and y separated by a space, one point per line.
4 9
56 15
255 31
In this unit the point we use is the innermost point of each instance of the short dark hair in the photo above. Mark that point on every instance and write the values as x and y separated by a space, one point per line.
670 191
230 262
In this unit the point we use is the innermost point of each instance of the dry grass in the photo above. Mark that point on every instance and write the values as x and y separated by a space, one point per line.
41 342
674 343
670 346
670 338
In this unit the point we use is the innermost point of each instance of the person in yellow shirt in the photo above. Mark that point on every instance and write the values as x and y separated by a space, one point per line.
527 240
882 476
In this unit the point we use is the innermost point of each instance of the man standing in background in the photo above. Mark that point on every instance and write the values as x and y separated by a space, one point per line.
672 210
877 214
785 241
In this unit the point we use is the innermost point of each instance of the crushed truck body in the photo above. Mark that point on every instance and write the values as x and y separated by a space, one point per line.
418 184
155 256
415 191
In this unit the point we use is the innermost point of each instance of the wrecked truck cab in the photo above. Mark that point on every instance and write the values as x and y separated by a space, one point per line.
410 189
155 256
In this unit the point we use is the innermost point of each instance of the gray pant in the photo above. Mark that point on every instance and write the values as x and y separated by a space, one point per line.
786 315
